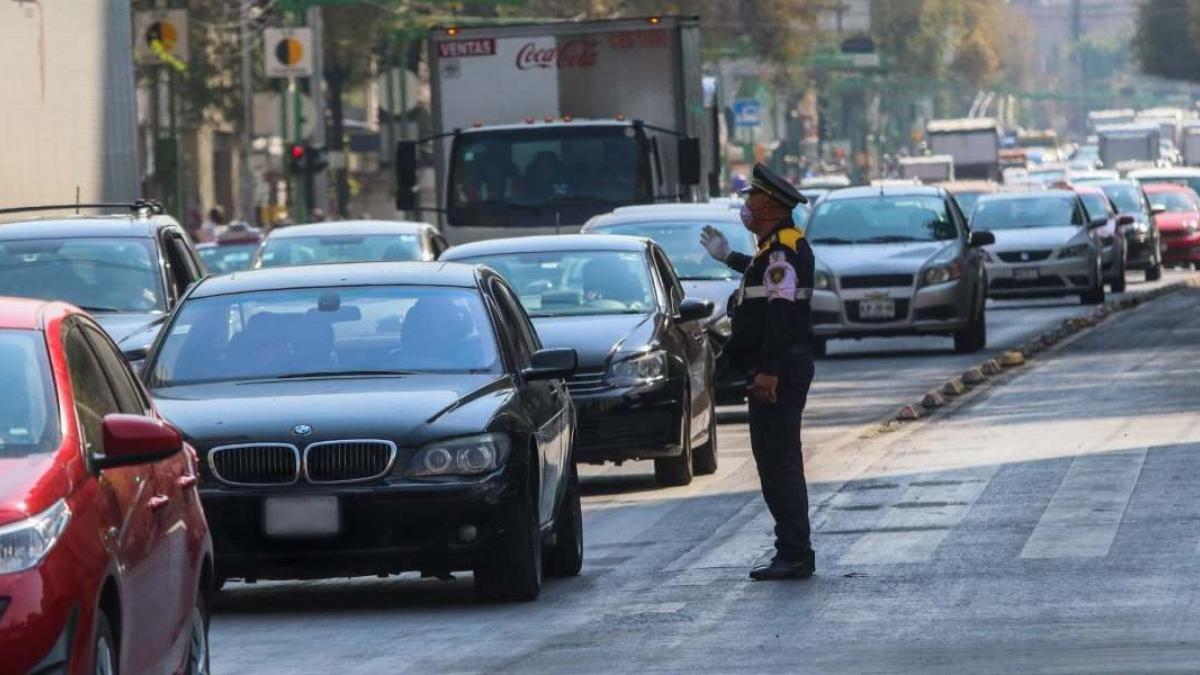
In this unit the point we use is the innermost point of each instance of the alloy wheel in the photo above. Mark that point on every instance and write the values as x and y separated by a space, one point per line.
198 654
105 658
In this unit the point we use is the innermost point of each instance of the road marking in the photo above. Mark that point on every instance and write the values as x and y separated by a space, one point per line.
1085 511
738 542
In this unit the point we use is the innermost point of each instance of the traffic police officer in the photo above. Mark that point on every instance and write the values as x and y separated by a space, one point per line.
772 341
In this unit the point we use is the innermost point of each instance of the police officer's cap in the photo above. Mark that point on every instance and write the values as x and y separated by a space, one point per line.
775 186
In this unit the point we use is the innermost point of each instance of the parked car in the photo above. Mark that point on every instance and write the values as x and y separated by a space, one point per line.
896 261
676 229
967 192
371 419
233 251
1142 238
1043 246
1111 235
127 269
644 389
1177 210
347 241
1181 175
105 558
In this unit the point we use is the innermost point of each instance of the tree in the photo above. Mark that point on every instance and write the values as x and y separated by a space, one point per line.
1164 41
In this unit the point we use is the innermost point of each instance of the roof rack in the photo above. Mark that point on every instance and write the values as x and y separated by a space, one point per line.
137 206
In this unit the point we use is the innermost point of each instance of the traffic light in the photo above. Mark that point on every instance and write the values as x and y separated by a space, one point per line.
314 159
297 158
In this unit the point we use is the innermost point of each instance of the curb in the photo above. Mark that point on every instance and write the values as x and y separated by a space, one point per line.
1019 357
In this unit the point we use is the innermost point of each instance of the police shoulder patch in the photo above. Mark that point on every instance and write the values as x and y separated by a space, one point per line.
779 282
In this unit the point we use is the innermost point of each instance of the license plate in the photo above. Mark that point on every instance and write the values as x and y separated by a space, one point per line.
1025 273
877 309
291 517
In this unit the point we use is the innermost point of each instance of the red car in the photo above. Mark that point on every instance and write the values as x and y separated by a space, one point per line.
1178 210
105 556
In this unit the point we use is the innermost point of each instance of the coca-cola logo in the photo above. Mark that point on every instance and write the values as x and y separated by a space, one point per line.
579 53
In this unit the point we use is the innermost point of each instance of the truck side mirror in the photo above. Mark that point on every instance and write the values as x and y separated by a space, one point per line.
689 161
406 175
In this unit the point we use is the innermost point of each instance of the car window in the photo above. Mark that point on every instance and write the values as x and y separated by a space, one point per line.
228 258
516 323
681 242
285 251
28 408
1009 213
93 397
881 220
1097 205
126 391
100 275
292 333
177 264
577 283
670 282
1128 198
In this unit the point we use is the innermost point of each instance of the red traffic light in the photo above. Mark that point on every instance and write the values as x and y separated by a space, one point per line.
297 151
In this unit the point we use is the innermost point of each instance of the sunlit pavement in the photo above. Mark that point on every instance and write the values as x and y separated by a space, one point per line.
1047 525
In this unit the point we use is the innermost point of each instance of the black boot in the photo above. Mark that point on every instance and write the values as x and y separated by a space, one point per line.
783 568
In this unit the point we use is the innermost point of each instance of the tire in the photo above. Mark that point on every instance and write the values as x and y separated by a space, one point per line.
105 659
704 459
198 652
677 471
973 338
1154 272
1093 297
820 346
513 571
565 558
1118 283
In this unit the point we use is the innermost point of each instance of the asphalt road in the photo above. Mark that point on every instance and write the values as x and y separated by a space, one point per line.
1046 525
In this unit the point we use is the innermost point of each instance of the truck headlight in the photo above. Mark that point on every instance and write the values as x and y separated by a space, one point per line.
638 370
23 544
822 281
1075 251
940 274
467 456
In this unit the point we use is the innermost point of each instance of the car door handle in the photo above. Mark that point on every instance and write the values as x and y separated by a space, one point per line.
158 501
186 482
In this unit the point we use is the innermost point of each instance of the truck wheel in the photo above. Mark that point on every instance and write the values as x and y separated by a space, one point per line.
104 647
514 569
704 461
565 558
676 471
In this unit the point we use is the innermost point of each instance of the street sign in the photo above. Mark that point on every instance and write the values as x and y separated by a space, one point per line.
747 112
160 35
289 52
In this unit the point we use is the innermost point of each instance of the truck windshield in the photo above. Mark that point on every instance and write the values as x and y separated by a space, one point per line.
545 177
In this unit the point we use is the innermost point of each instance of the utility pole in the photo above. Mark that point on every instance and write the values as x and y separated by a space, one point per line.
246 179
316 90
1076 40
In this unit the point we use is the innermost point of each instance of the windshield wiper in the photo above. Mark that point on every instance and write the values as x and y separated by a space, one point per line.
343 373
890 239
831 240
100 309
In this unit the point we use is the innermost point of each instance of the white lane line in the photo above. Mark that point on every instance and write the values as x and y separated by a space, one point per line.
1085 511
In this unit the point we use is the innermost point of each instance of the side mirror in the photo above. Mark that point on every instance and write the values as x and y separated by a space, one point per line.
1125 221
1156 209
692 309
406 175
689 161
551 364
1098 222
981 238
133 439
136 354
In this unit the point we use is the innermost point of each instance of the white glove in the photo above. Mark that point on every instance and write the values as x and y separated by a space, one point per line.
715 243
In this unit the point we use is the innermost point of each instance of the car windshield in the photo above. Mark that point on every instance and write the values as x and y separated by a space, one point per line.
681 241
1011 213
1190 181
324 332
577 283
28 409
1128 198
880 220
1096 204
339 248
100 275
967 200
1174 201
1049 176
227 258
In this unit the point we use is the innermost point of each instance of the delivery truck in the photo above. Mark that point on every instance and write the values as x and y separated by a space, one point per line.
538 127
974 143
1190 147
1124 143
928 169
68 119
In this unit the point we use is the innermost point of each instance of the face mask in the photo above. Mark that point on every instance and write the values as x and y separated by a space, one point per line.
747 215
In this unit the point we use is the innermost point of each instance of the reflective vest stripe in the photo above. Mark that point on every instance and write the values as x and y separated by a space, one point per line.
758 292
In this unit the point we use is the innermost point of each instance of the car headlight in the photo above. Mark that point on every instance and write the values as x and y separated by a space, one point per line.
467 456
1075 251
638 370
940 274
1191 226
722 327
822 281
23 544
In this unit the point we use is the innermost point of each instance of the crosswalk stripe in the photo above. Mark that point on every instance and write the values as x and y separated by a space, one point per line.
737 542
1085 511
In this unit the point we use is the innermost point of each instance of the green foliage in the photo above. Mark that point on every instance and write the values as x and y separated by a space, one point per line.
1164 42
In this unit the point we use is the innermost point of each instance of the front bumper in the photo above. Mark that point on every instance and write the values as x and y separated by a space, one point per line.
385 529
1180 246
1045 278
932 310
617 424
37 622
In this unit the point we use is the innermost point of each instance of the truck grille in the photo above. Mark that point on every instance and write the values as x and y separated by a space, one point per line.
587 382
876 281
348 461
1023 256
255 464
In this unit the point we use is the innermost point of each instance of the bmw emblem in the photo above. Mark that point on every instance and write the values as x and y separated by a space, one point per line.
1024 257
302 430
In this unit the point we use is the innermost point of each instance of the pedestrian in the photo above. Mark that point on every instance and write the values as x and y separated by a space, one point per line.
772 342
213 225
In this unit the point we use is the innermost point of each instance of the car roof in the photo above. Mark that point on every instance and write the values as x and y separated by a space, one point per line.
546 243
1173 172
1155 188
27 313
350 227
340 274
115 226
959 186
1087 189
698 212
884 191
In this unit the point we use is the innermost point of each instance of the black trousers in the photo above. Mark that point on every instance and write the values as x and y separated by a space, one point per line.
775 440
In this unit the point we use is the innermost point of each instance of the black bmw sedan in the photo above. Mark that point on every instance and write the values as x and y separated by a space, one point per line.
644 389
371 419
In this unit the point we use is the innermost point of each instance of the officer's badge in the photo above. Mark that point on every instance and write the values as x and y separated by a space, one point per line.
779 282
776 275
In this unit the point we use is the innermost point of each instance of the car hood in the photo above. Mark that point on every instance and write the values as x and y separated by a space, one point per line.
132 331
855 259
595 338
29 484
1171 221
716 290
408 410
1033 238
